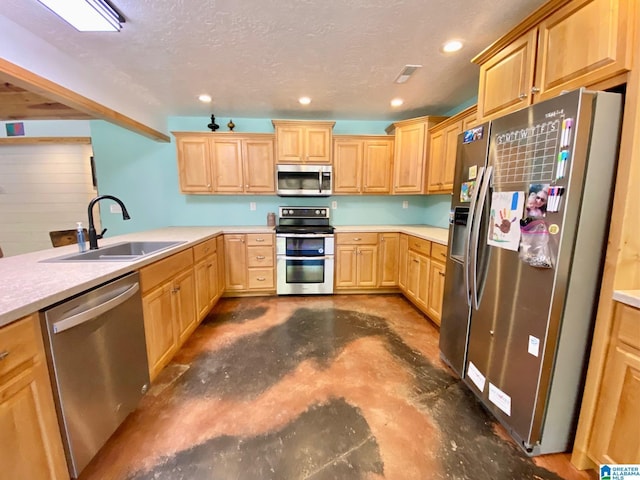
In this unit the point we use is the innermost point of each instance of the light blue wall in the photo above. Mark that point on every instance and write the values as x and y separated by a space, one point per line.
144 175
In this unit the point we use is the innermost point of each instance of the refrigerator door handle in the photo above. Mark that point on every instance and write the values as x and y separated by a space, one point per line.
467 240
475 233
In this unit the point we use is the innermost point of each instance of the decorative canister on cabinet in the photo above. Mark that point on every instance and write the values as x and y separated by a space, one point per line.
271 219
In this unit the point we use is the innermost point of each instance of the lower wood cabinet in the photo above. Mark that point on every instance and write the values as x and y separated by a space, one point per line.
249 263
30 441
615 437
208 291
422 273
169 307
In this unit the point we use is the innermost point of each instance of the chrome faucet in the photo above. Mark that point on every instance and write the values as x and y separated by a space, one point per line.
93 236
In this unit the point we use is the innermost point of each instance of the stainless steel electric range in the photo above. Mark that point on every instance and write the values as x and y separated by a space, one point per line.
304 251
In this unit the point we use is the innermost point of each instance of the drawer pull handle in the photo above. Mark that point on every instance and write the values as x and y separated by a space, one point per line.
356 239
4 354
261 279
260 257
259 239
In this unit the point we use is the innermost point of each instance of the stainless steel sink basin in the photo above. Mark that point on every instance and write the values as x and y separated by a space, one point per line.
119 252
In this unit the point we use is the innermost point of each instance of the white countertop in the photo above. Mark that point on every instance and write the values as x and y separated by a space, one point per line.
26 285
628 297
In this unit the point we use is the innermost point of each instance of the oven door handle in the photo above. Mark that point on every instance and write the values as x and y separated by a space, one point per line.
289 257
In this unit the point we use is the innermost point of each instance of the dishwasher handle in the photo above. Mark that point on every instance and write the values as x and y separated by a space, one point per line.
74 320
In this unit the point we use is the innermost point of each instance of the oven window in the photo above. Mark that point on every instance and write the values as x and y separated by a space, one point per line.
305 271
305 247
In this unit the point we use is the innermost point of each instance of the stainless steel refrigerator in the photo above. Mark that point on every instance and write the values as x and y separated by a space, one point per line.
529 221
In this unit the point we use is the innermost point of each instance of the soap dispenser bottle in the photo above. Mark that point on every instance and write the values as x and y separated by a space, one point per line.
82 244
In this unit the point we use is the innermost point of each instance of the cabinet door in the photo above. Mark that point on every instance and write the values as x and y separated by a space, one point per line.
506 79
194 164
408 176
159 327
203 301
583 43
220 252
436 291
259 167
403 261
616 437
377 167
184 306
413 274
388 259
235 262
289 144
422 295
367 266
347 161
346 270
449 164
227 166
437 147
317 144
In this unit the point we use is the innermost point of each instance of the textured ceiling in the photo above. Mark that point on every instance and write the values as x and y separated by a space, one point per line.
256 57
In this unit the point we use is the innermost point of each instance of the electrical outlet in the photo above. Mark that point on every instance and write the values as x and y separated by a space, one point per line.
252 206
405 204
115 208
334 205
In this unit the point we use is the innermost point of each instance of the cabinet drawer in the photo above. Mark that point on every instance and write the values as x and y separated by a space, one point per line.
260 256
629 331
439 252
18 343
162 270
419 245
203 249
357 238
259 239
261 278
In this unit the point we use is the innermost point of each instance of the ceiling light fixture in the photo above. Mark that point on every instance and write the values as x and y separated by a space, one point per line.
204 98
406 73
304 100
451 46
87 15
396 102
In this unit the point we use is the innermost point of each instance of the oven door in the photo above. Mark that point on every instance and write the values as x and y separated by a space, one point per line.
304 275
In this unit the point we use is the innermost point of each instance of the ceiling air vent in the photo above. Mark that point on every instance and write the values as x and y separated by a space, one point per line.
406 73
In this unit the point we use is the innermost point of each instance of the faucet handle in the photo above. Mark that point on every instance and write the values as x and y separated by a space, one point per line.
101 233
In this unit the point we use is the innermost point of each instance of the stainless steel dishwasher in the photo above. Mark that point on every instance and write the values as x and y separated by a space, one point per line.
97 359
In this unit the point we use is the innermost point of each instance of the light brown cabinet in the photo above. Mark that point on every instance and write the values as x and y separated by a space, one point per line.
421 274
226 163
303 142
615 437
411 152
356 260
443 145
169 307
206 276
564 45
30 443
249 263
362 164
388 252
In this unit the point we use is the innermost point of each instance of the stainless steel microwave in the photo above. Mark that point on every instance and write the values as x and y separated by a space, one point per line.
304 180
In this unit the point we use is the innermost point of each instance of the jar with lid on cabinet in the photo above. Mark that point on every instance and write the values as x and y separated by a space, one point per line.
271 219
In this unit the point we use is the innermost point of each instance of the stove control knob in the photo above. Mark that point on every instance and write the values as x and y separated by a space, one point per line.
317 212
323 211
290 212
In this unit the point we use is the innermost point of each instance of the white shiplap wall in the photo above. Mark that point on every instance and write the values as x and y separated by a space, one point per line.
42 188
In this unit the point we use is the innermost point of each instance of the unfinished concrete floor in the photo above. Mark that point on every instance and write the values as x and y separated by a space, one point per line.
317 387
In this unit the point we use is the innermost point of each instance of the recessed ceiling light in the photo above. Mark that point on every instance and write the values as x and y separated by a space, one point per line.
204 98
396 102
452 46
304 100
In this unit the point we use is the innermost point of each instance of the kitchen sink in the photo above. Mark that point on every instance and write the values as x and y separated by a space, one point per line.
119 252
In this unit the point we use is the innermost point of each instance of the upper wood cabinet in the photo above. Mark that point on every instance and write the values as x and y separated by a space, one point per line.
563 45
443 143
411 151
303 142
362 164
227 163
